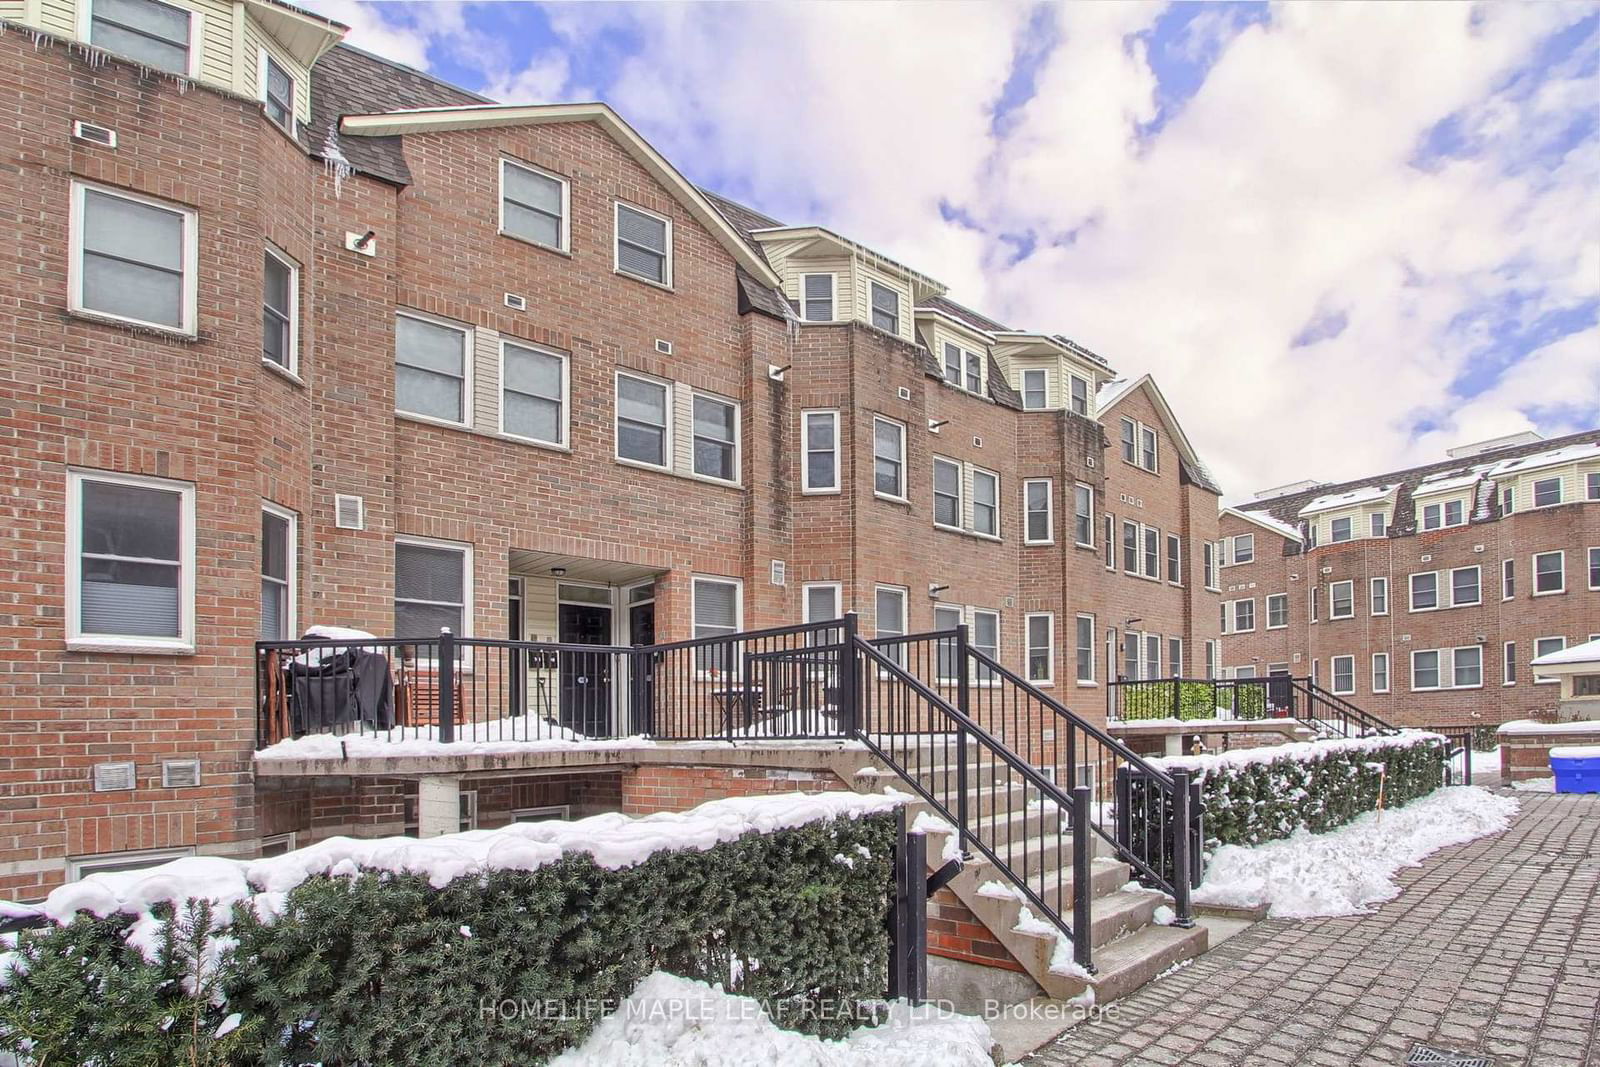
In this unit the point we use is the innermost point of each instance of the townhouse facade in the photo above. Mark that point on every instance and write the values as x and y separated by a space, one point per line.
1422 595
296 336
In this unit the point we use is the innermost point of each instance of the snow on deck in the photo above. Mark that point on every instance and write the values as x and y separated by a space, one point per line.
514 736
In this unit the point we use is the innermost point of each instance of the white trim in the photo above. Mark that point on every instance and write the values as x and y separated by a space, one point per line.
262 59
1049 647
1333 675
191 258
1284 598
1453 571
1075 487
1049 512
292 368
667 441
80 867
972 505
1590 560
1439 653
1076 648
616 244
805 600
1411 592
961 477
1444 514
905 612
833 295
737 442
464 548
292 565
1174 557
76 639
1388 680
565 400
1372 596
287 840
1561 492
904 480
1508 579
564 245
806 489
717 579
1044 388
1534 572
1547 679
468 347
1333 600
1233 559
1508 664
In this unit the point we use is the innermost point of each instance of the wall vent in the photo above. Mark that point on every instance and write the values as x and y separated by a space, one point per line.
349 512
111 777
903 393
516 302
180 773
1088 461
1477 548
1426 559
1327 570
977 442
664 347
780 572
104 136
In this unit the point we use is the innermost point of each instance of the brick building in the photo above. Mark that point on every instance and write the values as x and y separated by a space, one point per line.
1422 595
293 335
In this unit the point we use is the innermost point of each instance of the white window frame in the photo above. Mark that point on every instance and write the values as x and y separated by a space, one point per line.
1561 487
1049 647
1333 600
805 600
464 548
1594 566
1233 616
897 652
80 867
263 59
668 413
1443 507
696 580
1508 500
873 285
1453 571
972 505
738 438
468 347
1411 590
947 647
1073 382
1534 572
1508 579
292 367
564 223
191 252
1508 663
1080 491
1438 660
1283 600
1175 656
833 296
1209 554
1149 436
1349 532
981 675
1043 390
961 480
1150 558
1378 524
291 565
1374 598
1213 658
85 21
1333 676
77 639
1547 679
1078 649
806 488
1591 485
1174 559
1383 658
1455 668
899 428
1128 440
1049 537
1233 549
616 245
563 444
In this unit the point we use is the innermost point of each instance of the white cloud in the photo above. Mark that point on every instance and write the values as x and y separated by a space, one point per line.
371 32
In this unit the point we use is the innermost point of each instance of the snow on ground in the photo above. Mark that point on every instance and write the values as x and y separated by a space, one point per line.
1348 870
1536 785
672 1020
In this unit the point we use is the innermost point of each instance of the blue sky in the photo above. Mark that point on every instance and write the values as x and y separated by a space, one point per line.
1373 227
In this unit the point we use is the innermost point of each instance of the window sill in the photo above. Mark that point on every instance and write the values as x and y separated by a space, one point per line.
665 287
1550 592
1039 544
820 492
532 442
283 372
639 464
1280 626
128 646
101 319
1087 685
429 420
564 253
1085 544
887 499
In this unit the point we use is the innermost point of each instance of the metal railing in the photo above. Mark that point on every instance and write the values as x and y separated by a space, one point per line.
1248 699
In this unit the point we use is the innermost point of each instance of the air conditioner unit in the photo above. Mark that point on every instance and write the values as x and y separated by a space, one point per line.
180 773
516 302
349 512
104 136
113 777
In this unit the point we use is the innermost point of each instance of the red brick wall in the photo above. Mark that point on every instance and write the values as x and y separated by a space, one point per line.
957 934
663 788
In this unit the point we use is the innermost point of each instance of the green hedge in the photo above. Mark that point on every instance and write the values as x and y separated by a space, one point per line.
385 969
1196 700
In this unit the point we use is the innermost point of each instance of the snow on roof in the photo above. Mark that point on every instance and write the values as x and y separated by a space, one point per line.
1552 458
1113 391
1350 498
1448 481
1588 652
1262 518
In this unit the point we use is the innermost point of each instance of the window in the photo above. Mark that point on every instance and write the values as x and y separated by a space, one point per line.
1175 656
533 386
885 308
1508 579
1152 553
534 205
946 493
430 588
716 438
642 433
1313 602
1342 600
132 259
986 639
1594 568
1110 540
130 561
820 473
1379 596
1080 398
430 368
952 364
1543 646
1549 573
1424 591
1244 616
277 92
963 369
1211 659
1130 547
1041 648
1208 562
1447 668
1592 482
821 602
1508 500
277 573
1147 448
1380 672
1448 513
1174 559
816 302
1152 656
1378 524
1344 675
947 617
1083 515
1131 646
1085 649
1130 437
986 503
1467 666
1277 611
889 620
1546 492
974 372
1244 548
644 245
888 458
1465 587
1340 530
280 285
1508 664
1036 494
112 862
153 34
1425 670
1035 393
718 606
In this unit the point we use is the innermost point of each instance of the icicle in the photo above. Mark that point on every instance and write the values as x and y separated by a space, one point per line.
40 39
334 164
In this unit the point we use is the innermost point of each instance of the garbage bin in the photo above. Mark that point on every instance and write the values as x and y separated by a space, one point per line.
1577 768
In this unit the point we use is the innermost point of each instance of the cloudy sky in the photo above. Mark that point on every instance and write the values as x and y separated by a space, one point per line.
1342 237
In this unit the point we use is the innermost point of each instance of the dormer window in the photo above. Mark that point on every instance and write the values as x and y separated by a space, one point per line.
1547 492
146 31
1447 513
644 245
816 302
1380 524
277 92
1080 396
1339 530
885 308
963 368
952 364
1035 389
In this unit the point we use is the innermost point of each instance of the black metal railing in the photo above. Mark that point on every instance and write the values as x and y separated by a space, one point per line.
1249 699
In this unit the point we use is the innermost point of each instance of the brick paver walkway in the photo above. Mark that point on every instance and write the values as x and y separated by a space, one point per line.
1492 947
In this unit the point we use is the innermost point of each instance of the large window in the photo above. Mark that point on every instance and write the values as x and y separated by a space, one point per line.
130 561
279 315
946 493
1277 611
885 308
431 583
1041 648
1380 672
1547 492
1544 646
534 205
1467 664
533 385
1447 668
1379 596
150 33
1344 675
431 368
1378 524
716 438
888 458
277 92
820 473
1446 513
1342 600
1549 573
642 420
644 245
1466 587
1035 389
1424 591
1036 495
1085 649
132 258
718 609
817 296
1339 530
986 503
1083 515
277 573
1425 669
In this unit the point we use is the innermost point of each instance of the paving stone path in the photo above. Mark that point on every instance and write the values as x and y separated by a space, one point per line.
1492 948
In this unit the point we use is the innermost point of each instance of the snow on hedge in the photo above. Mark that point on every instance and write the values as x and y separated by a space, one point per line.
1294 751
675 1020
1348 870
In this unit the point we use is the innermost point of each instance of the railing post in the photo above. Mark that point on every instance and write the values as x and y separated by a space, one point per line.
849 677
964 703
1082 894
1181 870
1123 784
908 918
1176 702
445 678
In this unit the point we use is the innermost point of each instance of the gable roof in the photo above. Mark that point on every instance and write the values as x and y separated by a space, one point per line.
1194 469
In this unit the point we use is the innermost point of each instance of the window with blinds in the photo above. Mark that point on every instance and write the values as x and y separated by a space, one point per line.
716 439
132 552
888 458
277 93
430 368
133 259
642 407
430 589
885 308
1036 493
277 588
820 472
716 614
946 493
533 394
644 245
816 303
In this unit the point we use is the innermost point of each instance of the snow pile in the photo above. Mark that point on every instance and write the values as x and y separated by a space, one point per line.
614 841
520 734
1588 652
1298 751
1347 871
1528 726
1364 495
672 1020
1575 752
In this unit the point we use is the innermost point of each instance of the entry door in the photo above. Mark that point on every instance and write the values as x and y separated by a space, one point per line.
585 676
1279 692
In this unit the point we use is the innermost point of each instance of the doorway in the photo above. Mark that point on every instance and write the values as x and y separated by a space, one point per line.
641 605
585 677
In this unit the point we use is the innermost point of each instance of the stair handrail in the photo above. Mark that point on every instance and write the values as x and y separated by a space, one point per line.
1365 718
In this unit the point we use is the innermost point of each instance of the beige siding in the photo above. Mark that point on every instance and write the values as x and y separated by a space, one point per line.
539 609
862 297
59 16
486 380
682 429
793 267
13 10
217 46
249 69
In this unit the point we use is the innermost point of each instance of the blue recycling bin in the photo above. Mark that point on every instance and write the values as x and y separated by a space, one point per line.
1576 771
